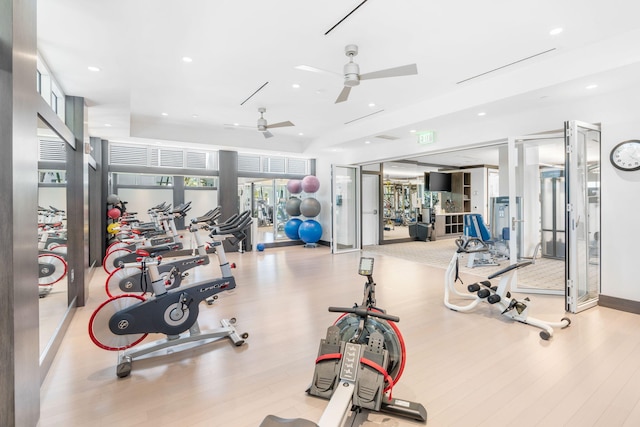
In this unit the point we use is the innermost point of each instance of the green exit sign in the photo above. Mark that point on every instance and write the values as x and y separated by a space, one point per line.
428 137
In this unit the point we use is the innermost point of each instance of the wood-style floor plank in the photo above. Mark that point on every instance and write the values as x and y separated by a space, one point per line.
468 369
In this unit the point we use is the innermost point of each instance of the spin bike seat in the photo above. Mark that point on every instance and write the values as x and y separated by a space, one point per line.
273 421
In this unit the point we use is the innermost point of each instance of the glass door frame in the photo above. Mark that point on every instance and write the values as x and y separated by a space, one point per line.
513 144
577 203
357 216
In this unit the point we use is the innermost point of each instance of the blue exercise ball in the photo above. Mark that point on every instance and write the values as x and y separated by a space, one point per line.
291 228
310 231
260 247
309 207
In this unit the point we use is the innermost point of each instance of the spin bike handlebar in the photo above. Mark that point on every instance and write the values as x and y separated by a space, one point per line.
363 312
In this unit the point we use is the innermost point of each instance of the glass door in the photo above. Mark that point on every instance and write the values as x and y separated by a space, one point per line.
531 159
583 215
345 194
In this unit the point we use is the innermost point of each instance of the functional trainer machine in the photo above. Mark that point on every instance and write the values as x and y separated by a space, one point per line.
499 296
124 321
358 363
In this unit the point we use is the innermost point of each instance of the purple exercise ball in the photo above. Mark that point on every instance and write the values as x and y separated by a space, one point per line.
310 184
294 186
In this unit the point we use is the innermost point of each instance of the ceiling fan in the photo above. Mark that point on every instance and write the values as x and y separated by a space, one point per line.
263 126
352 74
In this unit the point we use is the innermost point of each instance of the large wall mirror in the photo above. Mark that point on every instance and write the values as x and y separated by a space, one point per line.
53 277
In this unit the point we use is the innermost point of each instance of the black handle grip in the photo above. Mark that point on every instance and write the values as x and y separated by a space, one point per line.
362 312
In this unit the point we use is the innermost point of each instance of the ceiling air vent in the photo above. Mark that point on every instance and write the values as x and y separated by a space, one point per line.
248 163
196 160
387 137
154 153
297 166
171 158
134 155
53 151
274 164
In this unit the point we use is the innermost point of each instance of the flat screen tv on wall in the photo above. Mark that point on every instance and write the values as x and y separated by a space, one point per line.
437 181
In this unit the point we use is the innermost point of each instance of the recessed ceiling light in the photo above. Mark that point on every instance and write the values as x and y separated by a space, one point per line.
92 68
236 124
195 116
593 86
412 131
482 113
371 104
187 59
295 85
555 31
107 125
367 142
165 114
301 134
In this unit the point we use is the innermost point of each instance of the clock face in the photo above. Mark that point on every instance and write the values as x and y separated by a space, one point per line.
626 155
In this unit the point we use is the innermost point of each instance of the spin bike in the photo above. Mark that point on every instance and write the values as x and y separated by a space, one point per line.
122 322
499 296
358 363
117 255
129 278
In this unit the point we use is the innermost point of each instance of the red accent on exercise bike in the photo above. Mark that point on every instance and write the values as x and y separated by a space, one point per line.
233 265
93 337
142 252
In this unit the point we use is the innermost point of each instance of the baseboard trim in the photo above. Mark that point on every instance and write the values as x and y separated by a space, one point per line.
619 304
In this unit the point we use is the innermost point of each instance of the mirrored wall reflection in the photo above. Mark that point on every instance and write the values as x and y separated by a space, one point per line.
52 233
267 199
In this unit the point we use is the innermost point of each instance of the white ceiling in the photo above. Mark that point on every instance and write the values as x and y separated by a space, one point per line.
237 46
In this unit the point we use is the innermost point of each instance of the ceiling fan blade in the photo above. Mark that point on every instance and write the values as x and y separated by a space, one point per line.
267 134
317 70
344 95
405 70
280 125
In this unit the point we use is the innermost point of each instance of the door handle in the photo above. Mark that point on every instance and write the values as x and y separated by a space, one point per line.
513 222
375 211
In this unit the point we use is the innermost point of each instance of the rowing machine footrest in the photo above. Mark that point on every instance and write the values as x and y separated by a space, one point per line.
325 375
370 383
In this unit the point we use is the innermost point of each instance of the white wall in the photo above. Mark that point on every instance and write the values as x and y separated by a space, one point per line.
201 202
620 199
140 201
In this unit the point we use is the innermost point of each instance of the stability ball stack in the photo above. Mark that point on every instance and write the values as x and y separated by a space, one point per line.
309 230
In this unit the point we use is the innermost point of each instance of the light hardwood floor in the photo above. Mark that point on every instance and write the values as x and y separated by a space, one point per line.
467 369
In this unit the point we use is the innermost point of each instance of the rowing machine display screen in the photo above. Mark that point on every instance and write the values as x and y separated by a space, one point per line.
366 266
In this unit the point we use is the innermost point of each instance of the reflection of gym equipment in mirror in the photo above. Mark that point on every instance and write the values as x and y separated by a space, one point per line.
498 296
358 363
53 274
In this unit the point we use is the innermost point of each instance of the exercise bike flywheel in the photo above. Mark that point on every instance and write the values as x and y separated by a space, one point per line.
99 330
51 269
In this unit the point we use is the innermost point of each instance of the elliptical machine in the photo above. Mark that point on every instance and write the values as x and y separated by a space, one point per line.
499 296
358 363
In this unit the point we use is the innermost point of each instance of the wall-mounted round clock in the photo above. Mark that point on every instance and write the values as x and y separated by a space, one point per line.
626 155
